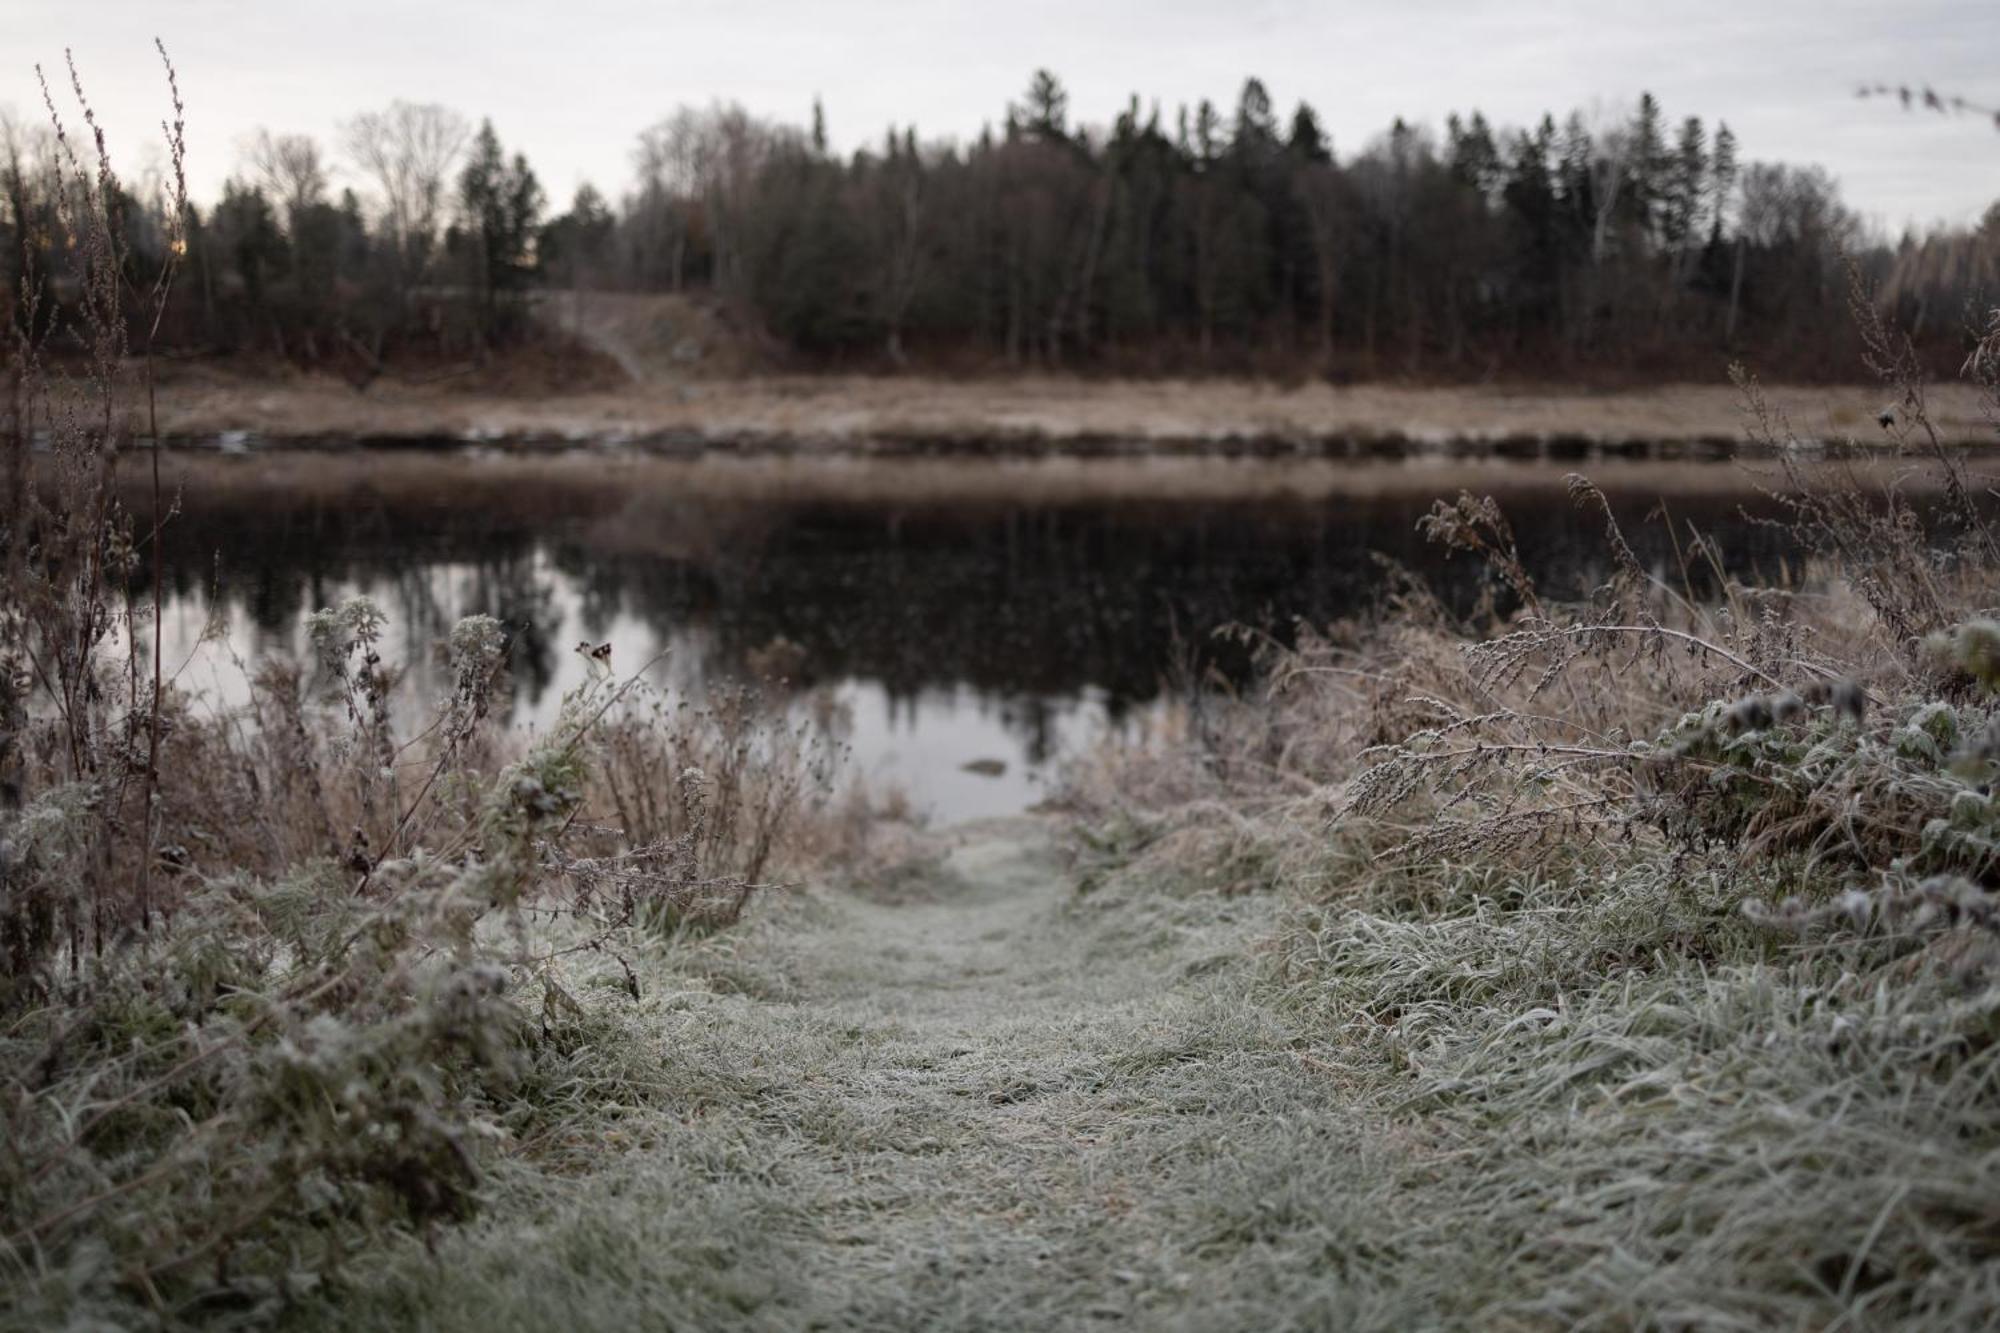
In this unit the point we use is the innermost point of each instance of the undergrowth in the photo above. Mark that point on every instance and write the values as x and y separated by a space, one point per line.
1662 926
282 980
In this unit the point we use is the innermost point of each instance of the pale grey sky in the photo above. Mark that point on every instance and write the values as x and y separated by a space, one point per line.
571 82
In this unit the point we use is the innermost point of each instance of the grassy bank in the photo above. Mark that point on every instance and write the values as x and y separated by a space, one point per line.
1034 413
336 970
1664 922
285 981
1621 963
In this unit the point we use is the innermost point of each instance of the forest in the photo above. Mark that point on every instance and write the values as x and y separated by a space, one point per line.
1616 247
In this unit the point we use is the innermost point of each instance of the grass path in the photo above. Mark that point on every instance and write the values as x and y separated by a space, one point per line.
999 1106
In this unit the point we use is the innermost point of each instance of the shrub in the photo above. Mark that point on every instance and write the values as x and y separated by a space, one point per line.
276 978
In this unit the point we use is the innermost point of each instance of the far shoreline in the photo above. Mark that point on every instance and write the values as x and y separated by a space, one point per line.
1038 415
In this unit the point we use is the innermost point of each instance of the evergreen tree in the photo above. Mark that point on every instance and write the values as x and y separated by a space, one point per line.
1644 189
500 206
576 248
1207 133
1473 157
1046 113
246 225
1307 142
1531 205
1687 187
1255 134
1721 175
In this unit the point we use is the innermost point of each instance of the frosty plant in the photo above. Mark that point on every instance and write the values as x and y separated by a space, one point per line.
262 969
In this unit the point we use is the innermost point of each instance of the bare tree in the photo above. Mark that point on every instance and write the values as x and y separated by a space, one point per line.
291 169
408 152
1610 173
709 158
897 209
27 183
670 164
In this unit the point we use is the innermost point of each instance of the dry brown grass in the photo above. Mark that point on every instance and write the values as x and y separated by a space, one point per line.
1670 917
283 980
834 411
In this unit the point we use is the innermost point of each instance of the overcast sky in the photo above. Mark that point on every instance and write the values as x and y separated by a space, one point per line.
572 81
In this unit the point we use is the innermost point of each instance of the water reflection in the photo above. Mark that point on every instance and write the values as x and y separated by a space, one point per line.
971 635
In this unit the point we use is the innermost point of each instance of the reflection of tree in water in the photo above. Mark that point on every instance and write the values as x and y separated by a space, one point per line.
416 607
1028 607
600 589
1033 718
514 591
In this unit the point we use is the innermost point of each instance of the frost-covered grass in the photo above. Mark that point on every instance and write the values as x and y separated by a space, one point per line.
1667 1119
1631 964
378 971
1661 930
284 981
1007 1107
1016 1106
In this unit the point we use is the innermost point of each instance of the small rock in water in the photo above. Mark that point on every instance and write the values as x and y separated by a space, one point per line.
987 768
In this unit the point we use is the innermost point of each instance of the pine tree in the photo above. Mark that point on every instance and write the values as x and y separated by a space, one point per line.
1688 181
246 226
1307 142
1255 133
500 206
1645 188
1207 133
576 247
1721 175
1046 115
1474 158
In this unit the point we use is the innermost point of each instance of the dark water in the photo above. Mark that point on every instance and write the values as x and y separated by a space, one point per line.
989 620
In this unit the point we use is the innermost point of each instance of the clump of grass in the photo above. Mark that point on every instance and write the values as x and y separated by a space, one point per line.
277 981
315 1043
1662 1117
1668 921
724 783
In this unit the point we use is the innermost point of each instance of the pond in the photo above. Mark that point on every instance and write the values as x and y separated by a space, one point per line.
969 624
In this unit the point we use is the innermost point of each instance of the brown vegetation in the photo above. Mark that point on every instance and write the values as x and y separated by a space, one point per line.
279 980
1052 413
1668 919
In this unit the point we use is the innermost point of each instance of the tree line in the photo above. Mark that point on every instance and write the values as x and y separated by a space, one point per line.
1208 241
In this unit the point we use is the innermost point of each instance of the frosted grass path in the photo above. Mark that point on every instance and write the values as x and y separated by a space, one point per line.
999 1106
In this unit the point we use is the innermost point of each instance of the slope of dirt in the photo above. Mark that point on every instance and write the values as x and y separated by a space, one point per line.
656 338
